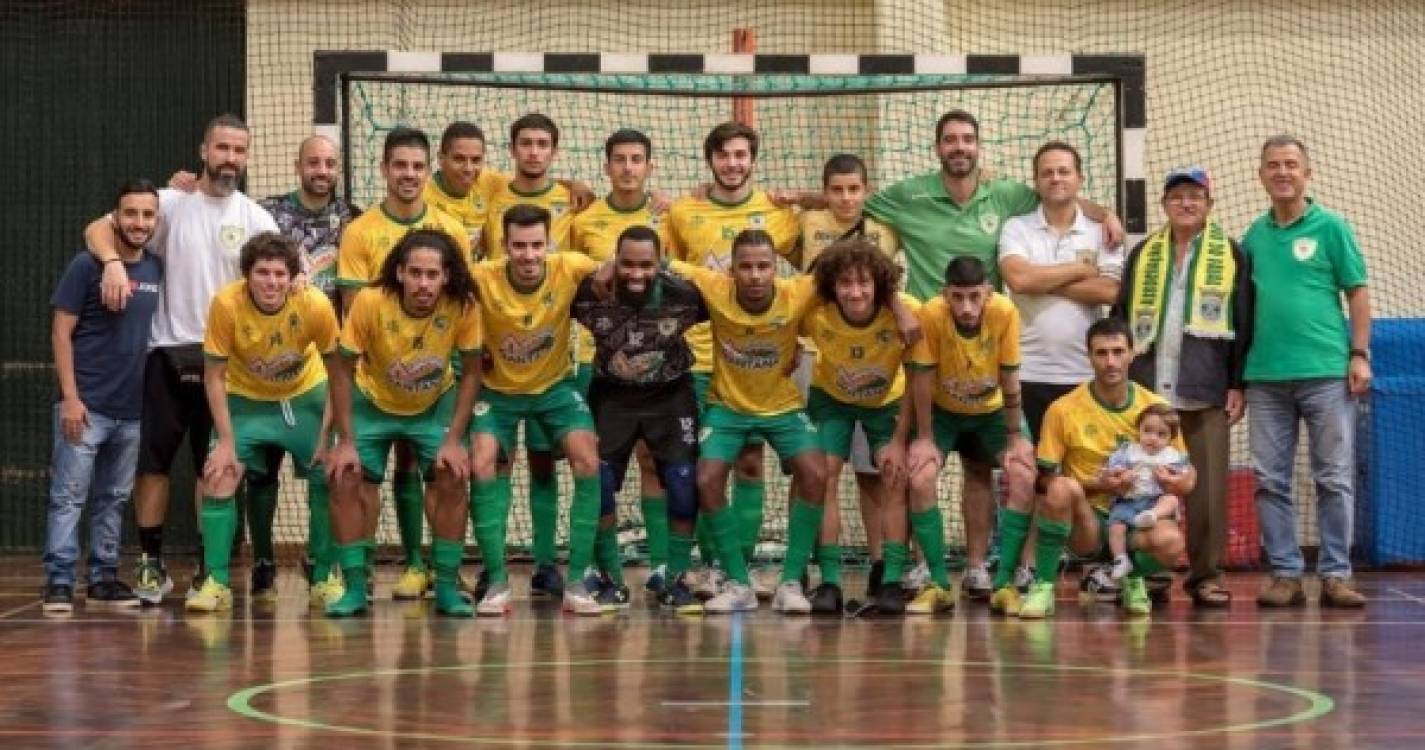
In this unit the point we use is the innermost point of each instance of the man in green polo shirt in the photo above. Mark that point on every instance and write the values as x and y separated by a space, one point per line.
1304 257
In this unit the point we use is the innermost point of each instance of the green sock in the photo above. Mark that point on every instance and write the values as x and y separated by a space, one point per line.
747 497
803 526
445 555
219 521
583 523
1050 547
607 554
410 515
707 545
261 509
490 507
893 555
829 559
722 524
353 560
319 528
1013 528
680 554
1145 564
655 524
929 529
544 517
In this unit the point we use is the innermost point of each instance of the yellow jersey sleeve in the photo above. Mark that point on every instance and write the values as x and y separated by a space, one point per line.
353 255
323 328
356 330
218 338
1006 316
1052 444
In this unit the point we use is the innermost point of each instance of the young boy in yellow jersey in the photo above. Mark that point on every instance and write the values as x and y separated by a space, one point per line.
398 340
405 165
965 385
525 297
701 232
1081 430
266 387
858 382
845 188
628 162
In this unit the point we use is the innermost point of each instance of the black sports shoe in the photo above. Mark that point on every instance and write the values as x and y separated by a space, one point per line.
113 593
826 599
57 598
873 579
612 596
264 580
679 598
546 582
1160 587
890 600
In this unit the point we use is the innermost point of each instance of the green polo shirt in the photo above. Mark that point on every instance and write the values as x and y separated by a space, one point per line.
1300 271
935 229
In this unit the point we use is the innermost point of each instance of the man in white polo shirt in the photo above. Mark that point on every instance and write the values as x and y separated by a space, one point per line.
1060 275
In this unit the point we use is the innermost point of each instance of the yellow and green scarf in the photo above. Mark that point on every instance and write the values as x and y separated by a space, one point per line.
1208 301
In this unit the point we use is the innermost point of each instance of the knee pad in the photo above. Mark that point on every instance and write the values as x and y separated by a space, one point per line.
680 483
610 482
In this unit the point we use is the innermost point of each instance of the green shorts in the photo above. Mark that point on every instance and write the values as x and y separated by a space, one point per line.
725 432
836 422
702 381
555 413
981 437
535 438
291 425
376 430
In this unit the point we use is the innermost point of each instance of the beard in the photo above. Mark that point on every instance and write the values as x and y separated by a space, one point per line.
732 187
630 297
318 188
223 182
955 171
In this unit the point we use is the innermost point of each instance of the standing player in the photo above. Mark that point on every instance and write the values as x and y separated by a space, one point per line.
701 232
525 298
628 162
859 383
266 389
405 164
966 390
463 185
402 332
98 361
642 393
198 237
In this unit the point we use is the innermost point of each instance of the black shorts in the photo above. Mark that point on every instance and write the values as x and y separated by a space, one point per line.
1035 398
663 417
173 403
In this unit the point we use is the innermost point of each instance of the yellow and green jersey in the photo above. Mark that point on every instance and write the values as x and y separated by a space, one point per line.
271 356
755 352
595 234
1080 432
701 230
821 228
371 237
554 199
860 365
528 332
472 209
967 367
403 361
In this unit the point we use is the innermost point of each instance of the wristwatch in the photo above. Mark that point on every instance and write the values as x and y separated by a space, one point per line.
1362 353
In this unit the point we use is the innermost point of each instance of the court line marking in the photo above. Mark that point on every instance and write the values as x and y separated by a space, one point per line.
1403 595
19 609
734 687
744 704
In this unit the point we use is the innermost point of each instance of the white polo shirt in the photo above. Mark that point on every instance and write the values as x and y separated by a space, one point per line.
1051 339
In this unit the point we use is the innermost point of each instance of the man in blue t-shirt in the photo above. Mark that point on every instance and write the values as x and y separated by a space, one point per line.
98 359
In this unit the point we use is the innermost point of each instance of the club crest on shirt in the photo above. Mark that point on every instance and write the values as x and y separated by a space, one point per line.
1143 326
757 221
231 236
1211 306
440 322
558 208
667 326
989 222
1304 248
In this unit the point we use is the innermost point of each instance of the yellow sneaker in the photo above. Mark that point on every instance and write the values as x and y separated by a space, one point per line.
210 597
412 584
931 600
1006 601
1040 602
322 593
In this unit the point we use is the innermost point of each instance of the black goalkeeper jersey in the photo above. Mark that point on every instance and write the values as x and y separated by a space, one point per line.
642 346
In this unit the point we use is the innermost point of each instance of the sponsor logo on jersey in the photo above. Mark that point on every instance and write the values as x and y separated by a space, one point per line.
281 368
971 392
751 355
524 348
863 383
417 375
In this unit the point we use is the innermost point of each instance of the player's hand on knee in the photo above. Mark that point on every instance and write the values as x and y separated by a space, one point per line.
452 457
892 462
341 460
222 463
922 453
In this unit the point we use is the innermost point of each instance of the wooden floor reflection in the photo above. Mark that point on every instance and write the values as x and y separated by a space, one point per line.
278 676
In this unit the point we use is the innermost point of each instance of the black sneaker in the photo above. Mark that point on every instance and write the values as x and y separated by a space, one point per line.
890 600
873 579
57 598
826 599
112 593
546 582
1098 584
679 598
264 580
612 596
1160 587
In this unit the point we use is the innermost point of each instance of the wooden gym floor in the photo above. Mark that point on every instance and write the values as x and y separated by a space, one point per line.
281 676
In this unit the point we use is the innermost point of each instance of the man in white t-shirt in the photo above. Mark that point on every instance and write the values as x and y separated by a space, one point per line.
199 237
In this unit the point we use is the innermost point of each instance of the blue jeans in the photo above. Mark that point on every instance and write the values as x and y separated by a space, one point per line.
1276 410
99 470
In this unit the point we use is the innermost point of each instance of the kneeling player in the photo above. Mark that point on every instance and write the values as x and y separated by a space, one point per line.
966 390
401 332
266 388
642 390
859 379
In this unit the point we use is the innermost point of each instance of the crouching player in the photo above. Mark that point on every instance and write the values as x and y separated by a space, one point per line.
266 388
397 343
859 379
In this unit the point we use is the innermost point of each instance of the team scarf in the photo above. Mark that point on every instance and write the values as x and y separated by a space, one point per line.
1207 304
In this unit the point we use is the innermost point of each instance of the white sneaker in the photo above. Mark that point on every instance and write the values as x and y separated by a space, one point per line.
765 580
711 584
1122 566
578 601
735 597
1024 577
1145 520
496 602
977 583
789 599
917 578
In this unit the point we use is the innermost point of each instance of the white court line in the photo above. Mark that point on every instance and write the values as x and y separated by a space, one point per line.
724 704
18 610
1403 595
